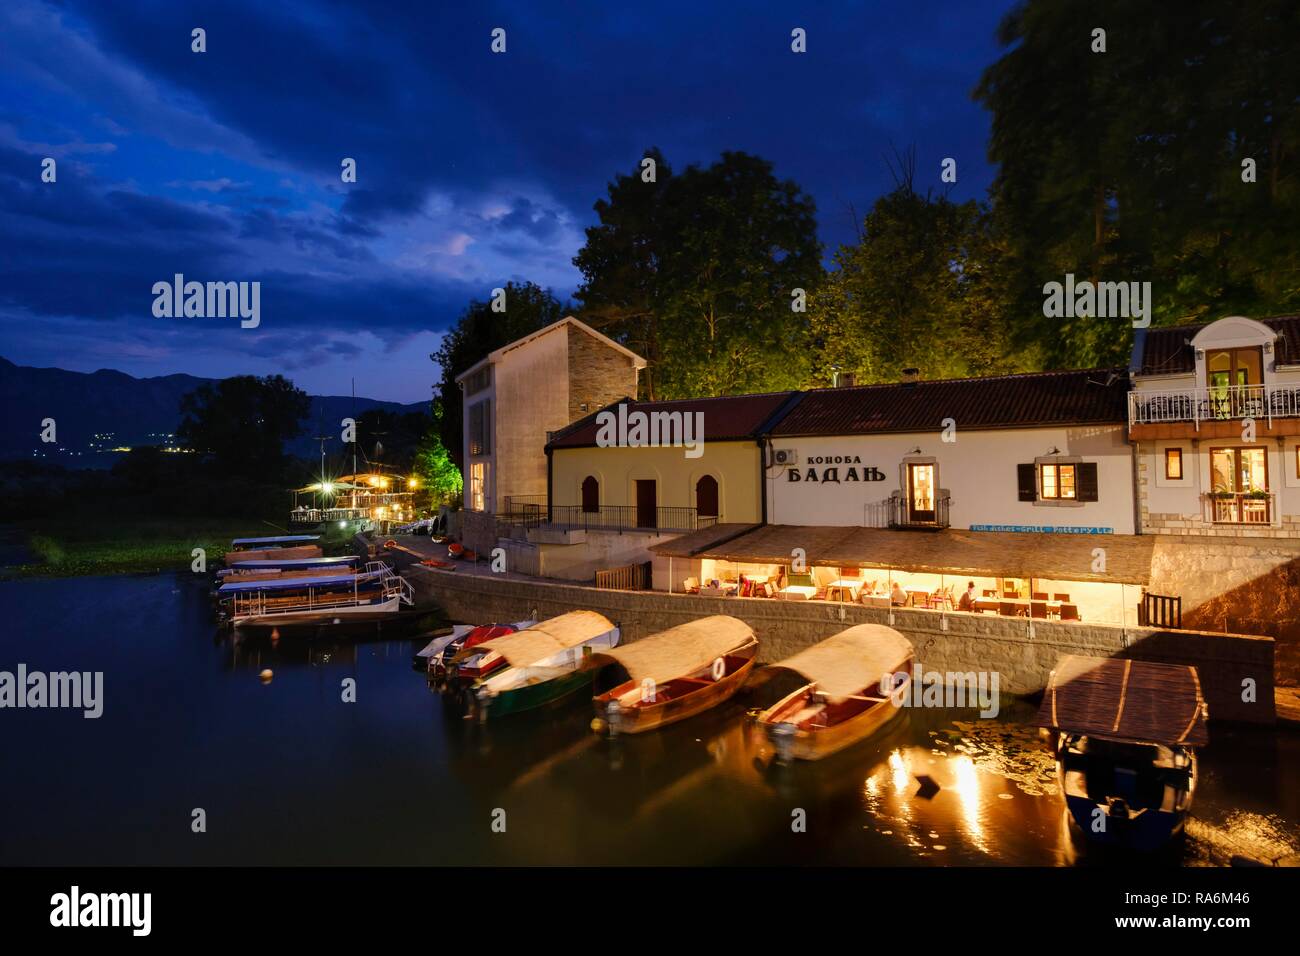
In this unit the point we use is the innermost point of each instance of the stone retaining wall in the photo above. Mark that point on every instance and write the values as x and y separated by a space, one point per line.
1022 653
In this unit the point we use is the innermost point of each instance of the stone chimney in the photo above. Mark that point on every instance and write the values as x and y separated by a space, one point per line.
910 376
845 380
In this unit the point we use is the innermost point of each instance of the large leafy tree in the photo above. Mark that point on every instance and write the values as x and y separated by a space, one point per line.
243 423
434 466
696 271
923 286
1127 165
479 331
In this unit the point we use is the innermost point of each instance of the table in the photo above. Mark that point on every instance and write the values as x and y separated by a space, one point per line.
837 588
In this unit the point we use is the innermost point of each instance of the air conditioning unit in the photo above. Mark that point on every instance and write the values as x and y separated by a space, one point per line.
784 456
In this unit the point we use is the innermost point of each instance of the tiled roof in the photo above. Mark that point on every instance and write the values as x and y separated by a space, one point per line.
726 418
1081 397
1166 350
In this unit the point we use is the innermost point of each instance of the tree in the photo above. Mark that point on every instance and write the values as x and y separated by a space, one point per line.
698 271
1127 165
243 423
433 464
479 331
922 287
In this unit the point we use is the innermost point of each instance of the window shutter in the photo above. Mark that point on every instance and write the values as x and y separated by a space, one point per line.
1086 480
1027 477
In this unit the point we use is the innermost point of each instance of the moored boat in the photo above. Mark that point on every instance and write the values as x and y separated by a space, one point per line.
439 653
853 678
676 674
547 663
1125 751
278 547
373 594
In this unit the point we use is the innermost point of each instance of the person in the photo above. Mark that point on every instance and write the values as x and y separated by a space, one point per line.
967 602
897 596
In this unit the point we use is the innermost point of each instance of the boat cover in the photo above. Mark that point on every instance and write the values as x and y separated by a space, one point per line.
1125 700
281 539
543 639
680 650
853 660
263 563
278 584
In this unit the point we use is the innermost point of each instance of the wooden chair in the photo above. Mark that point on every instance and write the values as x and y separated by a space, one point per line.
1070 612
1038 610
1040 595
691 586
1006 609
1063 598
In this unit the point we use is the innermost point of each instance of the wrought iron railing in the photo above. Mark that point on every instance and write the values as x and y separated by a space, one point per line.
1224 403
606 518
899 512
1248 508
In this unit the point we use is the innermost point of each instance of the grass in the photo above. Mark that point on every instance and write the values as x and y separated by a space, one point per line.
106 544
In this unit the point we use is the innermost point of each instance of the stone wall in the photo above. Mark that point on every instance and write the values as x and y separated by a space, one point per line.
598 374
1022 652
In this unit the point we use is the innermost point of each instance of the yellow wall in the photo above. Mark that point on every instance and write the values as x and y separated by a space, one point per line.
733 464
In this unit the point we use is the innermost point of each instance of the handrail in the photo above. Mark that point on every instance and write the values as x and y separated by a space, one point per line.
1213 403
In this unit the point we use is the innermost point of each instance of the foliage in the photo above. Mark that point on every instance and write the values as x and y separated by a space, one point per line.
433 464
243 422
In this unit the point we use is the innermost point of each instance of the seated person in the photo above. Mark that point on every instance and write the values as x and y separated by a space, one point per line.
897 596
967 602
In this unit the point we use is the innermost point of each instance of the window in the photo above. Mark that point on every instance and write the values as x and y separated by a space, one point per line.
706 497
479 380
1057 481
1174 464
477 473
1238 470
590 494
480 428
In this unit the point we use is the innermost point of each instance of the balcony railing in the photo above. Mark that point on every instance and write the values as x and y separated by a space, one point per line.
606 518
1249 508
897 512
1224 403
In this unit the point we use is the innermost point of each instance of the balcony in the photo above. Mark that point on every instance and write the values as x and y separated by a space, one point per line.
1196 406
897 513
1252 508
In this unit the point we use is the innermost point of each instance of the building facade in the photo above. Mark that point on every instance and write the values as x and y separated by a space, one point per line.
518 394
1214 415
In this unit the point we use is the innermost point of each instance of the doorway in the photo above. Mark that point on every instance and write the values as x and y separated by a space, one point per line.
920 492
647 496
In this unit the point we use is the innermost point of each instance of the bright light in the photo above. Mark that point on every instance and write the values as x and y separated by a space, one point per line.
412 483
328 488
343 524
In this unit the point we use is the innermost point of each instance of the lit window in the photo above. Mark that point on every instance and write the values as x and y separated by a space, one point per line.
1174 464
1058 481
476 486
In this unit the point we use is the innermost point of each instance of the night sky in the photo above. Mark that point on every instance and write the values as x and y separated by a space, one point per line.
473 168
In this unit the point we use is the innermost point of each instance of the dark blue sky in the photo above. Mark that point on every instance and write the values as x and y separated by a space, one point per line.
473 168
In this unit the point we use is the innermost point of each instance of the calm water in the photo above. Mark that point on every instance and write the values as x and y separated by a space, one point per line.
287 773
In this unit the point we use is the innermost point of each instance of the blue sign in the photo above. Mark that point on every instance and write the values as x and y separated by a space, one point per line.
1040 529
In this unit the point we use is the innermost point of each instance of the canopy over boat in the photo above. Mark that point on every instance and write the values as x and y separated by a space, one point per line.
852 660
263 563
272 542
544 639
278 584
680 650
1125 700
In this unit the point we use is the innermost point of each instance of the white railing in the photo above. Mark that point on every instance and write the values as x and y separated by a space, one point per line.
1249 508
394 584
1195 405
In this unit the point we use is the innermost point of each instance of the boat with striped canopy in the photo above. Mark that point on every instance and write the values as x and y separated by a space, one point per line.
1126 733
853 682
676 674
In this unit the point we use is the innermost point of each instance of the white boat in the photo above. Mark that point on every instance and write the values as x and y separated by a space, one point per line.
372 595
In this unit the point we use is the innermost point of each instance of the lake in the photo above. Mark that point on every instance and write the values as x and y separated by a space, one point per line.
288 773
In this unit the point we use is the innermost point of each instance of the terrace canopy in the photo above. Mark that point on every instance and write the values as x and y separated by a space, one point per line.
1062 557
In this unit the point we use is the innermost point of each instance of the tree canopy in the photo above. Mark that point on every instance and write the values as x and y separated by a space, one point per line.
243 423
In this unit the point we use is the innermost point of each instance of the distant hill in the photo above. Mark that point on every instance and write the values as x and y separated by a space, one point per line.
98 411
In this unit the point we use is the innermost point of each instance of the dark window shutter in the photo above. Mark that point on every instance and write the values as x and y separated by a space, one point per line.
1027 477
1086 479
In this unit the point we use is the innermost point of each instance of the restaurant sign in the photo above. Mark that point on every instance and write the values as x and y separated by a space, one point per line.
1041 529
852 470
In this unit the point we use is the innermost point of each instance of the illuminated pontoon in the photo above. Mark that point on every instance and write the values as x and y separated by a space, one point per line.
374 496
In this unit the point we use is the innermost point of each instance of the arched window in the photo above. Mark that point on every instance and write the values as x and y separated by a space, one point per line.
706 497
590 494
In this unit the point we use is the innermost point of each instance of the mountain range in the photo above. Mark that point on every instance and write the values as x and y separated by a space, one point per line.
96 412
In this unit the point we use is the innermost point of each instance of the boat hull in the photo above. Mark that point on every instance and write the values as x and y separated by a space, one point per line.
815 742
651 716
533 696
358 613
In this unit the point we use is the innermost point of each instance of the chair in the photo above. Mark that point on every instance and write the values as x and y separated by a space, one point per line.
850 574
990 593
1006 609
1070 612
1063 598
1038 610
691 586
1040 595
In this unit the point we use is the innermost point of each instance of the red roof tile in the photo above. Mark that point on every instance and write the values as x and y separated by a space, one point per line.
1081 397
1166 350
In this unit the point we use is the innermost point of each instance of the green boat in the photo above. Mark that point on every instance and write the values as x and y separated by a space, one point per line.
547 662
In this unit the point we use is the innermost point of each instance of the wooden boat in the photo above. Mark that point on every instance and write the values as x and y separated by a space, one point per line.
304 551
851 677
371 595
676 674
276 541
548 662
439 653
1126 732
288 565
